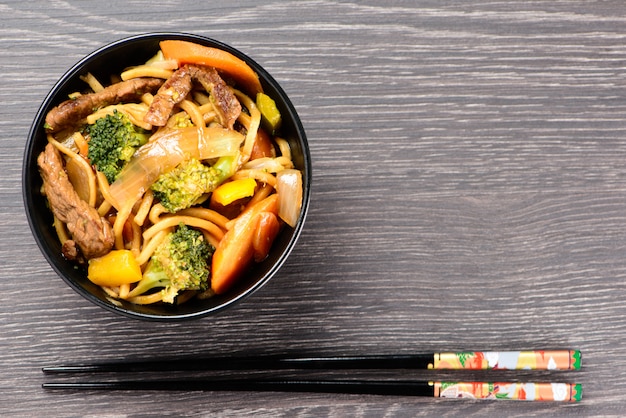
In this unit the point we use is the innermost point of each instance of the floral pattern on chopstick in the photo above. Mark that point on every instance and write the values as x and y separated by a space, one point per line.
565 392
509 360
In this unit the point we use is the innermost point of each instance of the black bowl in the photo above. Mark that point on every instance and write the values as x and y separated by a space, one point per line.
111 59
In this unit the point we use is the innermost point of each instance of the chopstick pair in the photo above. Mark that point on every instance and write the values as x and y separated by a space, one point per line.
550 360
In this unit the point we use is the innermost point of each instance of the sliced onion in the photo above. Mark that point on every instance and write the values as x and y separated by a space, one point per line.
289 191
268 164
218 142
166 150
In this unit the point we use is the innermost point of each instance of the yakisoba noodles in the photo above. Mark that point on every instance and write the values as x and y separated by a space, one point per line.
207 174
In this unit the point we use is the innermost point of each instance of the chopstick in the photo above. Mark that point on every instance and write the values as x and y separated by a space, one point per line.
469 360
562 392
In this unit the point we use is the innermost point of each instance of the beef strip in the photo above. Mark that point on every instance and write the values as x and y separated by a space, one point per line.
72 111
90 232
226 104
178 86
172 92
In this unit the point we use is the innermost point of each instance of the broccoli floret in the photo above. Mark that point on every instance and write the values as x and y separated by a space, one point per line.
181 262
113 140
181 187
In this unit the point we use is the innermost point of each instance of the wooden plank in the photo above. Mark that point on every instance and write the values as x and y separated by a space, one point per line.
468 193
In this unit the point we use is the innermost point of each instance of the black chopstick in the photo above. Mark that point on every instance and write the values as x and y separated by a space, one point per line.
476 390
322 386
251 363
470 360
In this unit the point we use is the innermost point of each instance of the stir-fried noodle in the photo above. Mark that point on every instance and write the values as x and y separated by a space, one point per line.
196 128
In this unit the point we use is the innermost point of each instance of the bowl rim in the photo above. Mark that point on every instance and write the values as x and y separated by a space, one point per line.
49 101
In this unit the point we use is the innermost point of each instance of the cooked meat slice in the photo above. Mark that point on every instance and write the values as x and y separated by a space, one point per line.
224 100
73 110
92 233
172 92
178 86
69 250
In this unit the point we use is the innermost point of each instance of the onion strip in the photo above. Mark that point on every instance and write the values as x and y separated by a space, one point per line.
289 191
84 165
165 152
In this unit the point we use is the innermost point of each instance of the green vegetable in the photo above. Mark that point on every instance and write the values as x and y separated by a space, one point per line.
227 166
113 139
181 187
181 262
270 115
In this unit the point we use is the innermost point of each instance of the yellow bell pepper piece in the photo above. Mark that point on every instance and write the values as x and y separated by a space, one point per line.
227 193
116 268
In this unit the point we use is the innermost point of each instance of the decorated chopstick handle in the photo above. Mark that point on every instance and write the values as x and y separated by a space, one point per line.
562 392
508 360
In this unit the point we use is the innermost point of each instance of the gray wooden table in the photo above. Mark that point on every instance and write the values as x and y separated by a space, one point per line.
469 192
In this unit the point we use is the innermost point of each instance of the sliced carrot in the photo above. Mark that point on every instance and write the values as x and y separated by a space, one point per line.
263 146
185 52
266 231
236 250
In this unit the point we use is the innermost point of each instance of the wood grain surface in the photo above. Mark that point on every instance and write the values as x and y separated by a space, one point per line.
469 192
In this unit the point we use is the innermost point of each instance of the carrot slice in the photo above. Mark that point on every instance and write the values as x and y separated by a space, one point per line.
185 52
266 231
236 250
